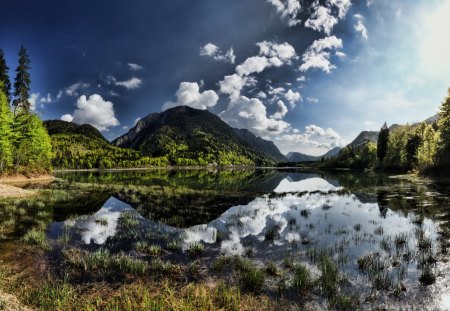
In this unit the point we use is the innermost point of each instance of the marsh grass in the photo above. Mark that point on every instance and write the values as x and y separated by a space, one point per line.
196 250
38 238
303 281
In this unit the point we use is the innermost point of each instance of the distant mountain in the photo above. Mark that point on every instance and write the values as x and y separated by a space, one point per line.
191 135
432 119
262 145
364 137
301 157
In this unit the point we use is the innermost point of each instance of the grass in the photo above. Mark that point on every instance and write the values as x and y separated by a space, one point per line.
252 280
329 278
303 281
427 276
38 238
196 250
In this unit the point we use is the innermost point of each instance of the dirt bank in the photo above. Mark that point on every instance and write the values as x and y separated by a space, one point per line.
11 186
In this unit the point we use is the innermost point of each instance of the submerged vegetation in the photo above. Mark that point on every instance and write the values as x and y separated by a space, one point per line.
311 259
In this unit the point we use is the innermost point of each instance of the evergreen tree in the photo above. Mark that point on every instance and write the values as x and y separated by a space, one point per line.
4 77
383 141
22 83
443 152
33 148
6 154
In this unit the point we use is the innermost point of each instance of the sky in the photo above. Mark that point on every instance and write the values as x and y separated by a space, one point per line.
308 75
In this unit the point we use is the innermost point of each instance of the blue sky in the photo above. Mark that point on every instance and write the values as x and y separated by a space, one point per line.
309 75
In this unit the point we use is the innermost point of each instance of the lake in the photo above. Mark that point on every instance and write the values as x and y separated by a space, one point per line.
387 237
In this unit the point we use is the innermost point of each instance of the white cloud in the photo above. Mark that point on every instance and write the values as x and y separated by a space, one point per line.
74 89
250 113
318 55
262 95
312 100
94 111
58 97
301 79
314 138
370 2
46 99
281 111
257 64
342 5
292 97
135 67
289 10
213 51
322 20
340 54
188 94
285 52
67 117
130 84
34 97
233 85
360 27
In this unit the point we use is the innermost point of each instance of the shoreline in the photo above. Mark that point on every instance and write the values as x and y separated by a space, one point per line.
10 186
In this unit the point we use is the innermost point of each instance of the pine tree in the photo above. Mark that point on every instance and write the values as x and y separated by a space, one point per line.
6 154
383 141
443 153
22 83
4 77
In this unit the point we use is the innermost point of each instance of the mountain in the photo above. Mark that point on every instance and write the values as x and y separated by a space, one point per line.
265 146
83 146
188 136
364 137
301 157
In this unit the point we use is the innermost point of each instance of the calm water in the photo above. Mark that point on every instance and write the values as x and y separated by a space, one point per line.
266 215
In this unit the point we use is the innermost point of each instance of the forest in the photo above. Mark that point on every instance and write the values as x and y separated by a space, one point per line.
25 146
423 147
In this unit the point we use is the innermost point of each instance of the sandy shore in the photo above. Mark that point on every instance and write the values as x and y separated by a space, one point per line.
11 303
10 186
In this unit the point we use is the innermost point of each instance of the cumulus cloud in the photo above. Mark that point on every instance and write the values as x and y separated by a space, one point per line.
288 9
73 90
188 94
67 117
323 19
46 99
270 54
360 27
292 97
233 85
281 111
213 51
284 51
250 113
135 67
95 111
34 97
312 136
318 54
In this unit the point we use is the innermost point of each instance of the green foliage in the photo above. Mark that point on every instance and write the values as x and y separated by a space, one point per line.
22 82
383 141
25 145
6 152
443 151
356 157
4 77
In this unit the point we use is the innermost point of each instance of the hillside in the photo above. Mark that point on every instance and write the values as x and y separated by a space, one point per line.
83 146
188 136
364 137
301 157
262 145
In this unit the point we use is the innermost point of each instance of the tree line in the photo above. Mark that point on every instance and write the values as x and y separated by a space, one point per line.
25 146
423 147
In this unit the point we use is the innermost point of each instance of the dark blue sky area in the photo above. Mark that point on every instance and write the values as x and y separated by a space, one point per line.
88 45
